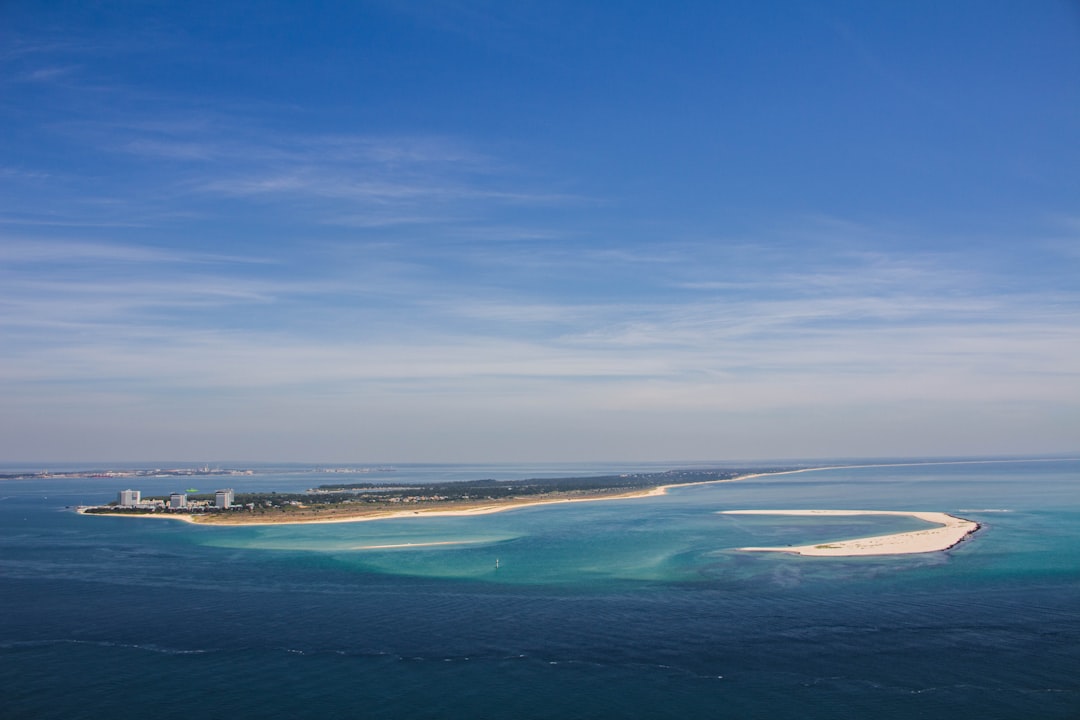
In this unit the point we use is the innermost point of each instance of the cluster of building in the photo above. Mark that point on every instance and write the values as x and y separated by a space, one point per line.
223 500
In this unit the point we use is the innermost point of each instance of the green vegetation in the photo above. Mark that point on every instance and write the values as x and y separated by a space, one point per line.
358 499
490 489
114 509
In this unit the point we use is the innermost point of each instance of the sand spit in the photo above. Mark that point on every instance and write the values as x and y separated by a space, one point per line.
951 530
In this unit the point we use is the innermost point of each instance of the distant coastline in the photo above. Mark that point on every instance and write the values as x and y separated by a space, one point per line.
365 515
951 530
361 502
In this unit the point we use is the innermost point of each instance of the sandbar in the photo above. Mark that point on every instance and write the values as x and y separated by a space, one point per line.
950 531
415 544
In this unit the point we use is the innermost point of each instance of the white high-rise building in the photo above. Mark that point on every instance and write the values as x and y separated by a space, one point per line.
178 500
129 498
223 499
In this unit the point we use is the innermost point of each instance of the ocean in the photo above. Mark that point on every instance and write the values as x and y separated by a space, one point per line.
639 608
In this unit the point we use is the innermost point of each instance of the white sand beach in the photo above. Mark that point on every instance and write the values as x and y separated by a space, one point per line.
81 510
486 509
950 530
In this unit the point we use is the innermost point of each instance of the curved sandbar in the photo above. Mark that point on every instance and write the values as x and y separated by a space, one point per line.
950 531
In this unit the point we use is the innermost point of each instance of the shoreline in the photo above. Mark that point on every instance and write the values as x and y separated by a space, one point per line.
950 532
489 507
486 508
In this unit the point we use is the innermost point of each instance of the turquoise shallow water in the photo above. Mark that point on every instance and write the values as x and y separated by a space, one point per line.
634 608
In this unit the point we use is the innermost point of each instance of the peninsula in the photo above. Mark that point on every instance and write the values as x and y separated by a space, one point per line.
369 501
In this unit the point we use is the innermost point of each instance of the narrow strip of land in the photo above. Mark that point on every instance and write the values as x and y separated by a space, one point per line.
368 501
350 514
359 503
950 531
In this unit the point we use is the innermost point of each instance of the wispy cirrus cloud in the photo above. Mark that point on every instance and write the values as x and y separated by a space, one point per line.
222 166
24 249
49 74
842 334
166 158
373 329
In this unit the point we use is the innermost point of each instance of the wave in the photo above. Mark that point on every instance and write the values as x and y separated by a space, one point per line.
149 647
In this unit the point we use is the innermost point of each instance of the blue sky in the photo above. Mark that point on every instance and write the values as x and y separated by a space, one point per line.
488 231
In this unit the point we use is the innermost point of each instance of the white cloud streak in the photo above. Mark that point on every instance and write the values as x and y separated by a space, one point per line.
735 352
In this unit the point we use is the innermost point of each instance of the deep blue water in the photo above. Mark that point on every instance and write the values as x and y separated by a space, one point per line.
638 608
